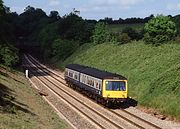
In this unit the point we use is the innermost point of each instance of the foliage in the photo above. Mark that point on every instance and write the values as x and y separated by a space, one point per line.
176 20
8 55
159 30
1 6
132 33
63 48
119 27
124 38
101 34
73 27
29 19
54 15
46 37
8 21
132 20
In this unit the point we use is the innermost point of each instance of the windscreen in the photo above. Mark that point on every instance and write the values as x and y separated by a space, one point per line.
115 85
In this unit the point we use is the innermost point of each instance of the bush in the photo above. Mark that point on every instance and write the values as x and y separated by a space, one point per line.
8 55
132 33
63 48
45 37
159 30
73 27
124 38
101 34
177 39
176 20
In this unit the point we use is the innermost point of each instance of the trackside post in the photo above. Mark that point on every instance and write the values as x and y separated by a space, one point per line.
26 73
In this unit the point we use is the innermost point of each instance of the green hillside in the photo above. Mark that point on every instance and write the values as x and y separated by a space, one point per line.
153 72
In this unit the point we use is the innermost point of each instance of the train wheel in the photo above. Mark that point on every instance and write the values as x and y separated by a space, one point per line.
109 103
96 99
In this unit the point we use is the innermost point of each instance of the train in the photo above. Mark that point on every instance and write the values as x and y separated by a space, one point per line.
103 86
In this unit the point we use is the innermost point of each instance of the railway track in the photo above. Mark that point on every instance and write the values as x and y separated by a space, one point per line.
60 79
100 125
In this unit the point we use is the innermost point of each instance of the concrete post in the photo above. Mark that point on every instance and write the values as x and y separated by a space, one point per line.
26 73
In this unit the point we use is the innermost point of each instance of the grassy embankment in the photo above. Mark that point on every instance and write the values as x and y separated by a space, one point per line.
23 108
153 72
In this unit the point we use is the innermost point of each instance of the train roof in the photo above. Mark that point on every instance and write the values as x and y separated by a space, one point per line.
76 67
95 72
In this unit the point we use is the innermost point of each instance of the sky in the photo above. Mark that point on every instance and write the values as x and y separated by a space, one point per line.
99 9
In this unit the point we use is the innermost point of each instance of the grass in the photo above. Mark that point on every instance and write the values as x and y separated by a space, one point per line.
120 27
153 72
23 108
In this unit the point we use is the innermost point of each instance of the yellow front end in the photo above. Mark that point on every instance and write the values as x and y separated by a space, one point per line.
118 92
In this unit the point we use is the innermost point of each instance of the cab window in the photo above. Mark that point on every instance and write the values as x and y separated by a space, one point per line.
115 85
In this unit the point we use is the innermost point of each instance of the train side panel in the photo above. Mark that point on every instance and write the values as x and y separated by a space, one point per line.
83 81
74 75
92 83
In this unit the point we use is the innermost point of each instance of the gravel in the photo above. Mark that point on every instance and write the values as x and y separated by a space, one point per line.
73 116
165 124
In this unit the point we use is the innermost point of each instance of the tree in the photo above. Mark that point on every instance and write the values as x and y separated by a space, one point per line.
45 37
159 30
54 15
73 27
132 33
176 19
106 20
1 6
63 48
101 34
28 20
124 38
8 55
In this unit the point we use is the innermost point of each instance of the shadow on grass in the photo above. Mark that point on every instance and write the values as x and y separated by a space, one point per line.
8 104
6 75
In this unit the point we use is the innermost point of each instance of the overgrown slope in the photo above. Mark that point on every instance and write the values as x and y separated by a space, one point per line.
153 72
23 108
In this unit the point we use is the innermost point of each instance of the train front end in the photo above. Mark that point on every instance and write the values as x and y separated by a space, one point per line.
115 90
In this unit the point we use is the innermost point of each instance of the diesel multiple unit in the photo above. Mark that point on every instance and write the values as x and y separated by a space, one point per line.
101 85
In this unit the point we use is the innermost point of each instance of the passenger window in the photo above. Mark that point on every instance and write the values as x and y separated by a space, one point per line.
75 76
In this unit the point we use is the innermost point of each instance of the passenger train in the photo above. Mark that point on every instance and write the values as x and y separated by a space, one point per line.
104 86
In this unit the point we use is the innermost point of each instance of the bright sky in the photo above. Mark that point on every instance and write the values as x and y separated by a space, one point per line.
99 9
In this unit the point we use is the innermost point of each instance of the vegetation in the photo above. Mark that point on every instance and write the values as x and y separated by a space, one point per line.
63 48
124 38
73 27
153 72
21 107
8 55
119 27
159 30
132 20
176 20
101 34
132 33
1 6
